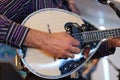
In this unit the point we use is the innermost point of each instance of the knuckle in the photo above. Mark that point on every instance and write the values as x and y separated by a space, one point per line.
67 48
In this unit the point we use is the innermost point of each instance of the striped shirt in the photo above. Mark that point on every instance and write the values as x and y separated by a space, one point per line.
13 12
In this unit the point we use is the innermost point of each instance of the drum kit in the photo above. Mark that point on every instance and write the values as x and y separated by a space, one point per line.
43 65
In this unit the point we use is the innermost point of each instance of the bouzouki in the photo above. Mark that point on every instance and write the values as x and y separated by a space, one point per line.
44 65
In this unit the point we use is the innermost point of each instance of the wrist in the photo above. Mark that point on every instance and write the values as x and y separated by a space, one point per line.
110 44
71 1
73 7
35 39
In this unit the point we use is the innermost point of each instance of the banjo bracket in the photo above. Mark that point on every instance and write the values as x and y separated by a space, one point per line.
72 28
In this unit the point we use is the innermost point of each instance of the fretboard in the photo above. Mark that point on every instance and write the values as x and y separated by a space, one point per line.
89 36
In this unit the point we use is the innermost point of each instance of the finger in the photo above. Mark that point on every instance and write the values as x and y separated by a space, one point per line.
67 55
86 52
75 50
76 42
70 55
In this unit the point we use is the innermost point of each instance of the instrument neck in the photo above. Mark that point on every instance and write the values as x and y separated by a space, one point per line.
90 36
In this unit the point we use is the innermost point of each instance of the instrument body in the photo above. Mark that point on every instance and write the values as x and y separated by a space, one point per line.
44 65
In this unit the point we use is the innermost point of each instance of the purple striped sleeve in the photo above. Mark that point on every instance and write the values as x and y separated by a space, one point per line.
12 33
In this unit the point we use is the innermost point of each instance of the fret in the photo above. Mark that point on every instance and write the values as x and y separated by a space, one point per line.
117 32
93 34
114 33
83 36
106 34
97 35
102 35
109 35
86 38
90 36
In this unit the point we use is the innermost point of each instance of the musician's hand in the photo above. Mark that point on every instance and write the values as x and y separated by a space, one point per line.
86 52
60 45
113 42
73 7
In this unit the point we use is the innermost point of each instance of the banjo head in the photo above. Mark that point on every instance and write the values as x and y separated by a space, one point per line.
38 61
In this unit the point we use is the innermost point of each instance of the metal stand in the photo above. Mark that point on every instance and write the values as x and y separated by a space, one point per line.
112 5
117 69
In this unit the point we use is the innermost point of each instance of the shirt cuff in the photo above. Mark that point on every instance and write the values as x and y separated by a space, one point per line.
103 50
16 35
